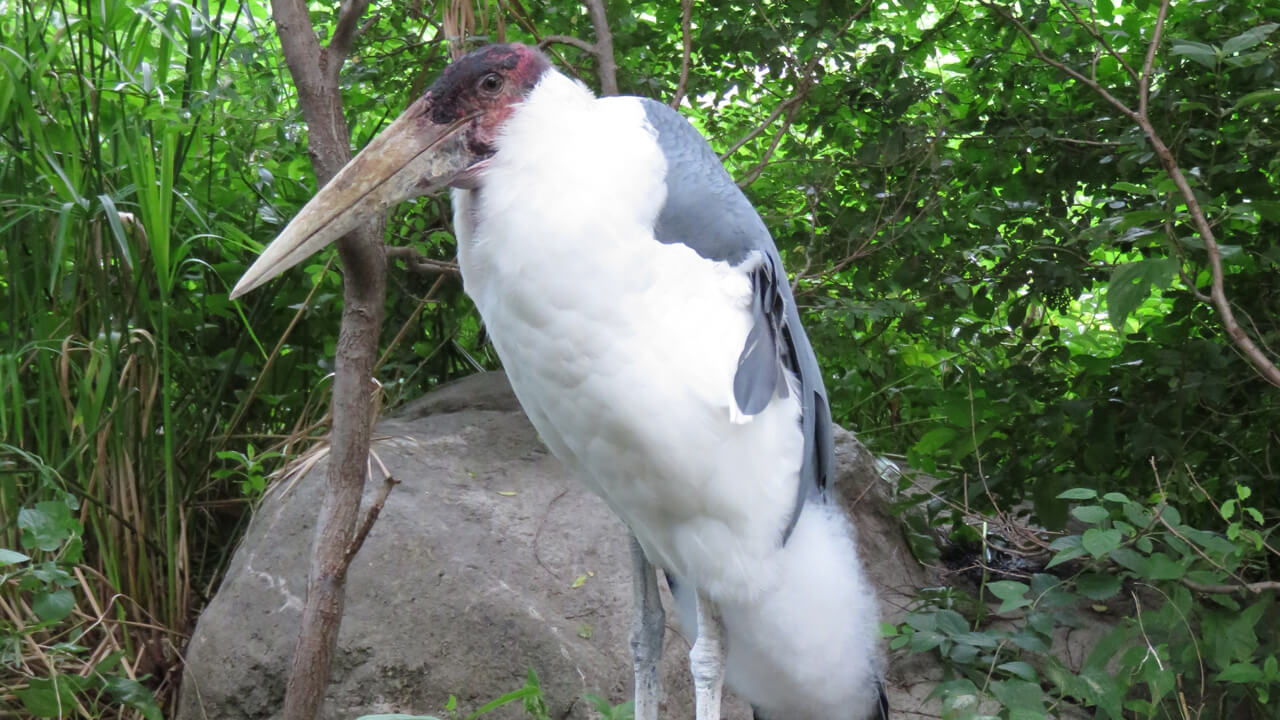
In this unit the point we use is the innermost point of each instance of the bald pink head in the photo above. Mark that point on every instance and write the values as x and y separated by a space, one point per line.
484 84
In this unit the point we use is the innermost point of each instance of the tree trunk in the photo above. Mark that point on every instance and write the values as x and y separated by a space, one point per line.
315 73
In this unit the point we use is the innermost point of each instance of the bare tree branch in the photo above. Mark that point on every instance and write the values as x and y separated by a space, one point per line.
606 67
1039 52
754 174
1144 85
686 20
522 19
579 43
409 321
1255 588
418 262
1092 29
315 73
803 86
368 23
375 509
601 49
344 32
755 132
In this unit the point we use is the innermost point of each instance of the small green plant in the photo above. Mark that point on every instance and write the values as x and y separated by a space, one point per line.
608 711
248 468
1184 631
63 644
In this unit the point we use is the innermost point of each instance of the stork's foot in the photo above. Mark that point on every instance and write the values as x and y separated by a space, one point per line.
648 623
706 660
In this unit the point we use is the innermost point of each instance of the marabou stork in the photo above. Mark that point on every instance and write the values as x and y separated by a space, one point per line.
644 318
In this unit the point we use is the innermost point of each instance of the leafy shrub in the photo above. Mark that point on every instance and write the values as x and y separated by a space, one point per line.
1188 630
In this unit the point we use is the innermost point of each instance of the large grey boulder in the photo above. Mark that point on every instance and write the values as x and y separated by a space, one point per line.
486 561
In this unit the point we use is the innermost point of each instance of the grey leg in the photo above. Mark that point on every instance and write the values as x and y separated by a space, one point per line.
706 660
648 623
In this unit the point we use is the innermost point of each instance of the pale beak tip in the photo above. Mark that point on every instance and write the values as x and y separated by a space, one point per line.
242 288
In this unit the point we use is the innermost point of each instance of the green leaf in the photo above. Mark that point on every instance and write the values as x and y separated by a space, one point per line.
1136 514
1248 39
934 440
1257 97
53 606
1091 514
951 622
1098 586
1100 542
11 557
48 697
960 698
1162 567
1131 283
1078 494
1021 669
132 693
1011 593
1240 673
47 525
1131 560
1206 55
1069 548
1025 700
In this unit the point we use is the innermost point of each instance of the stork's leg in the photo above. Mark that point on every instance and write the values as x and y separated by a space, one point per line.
648 623
706 660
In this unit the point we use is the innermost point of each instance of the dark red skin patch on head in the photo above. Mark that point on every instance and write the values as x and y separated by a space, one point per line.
456 94
467 93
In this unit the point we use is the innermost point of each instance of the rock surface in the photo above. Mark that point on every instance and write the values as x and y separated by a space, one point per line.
487 560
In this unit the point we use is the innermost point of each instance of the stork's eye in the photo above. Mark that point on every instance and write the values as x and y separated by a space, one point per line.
491 84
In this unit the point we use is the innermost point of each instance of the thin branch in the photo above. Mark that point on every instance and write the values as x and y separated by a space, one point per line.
579 43
1255 588
754 173
370 22
1044 57
418 262
517 11
388 482
804 85
344 33
1092 29
315 73
1217 291
1076 141
413 318
1144 85
755 132
606 66
685 25
601 49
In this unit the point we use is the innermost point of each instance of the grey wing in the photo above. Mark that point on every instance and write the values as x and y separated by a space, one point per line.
705 210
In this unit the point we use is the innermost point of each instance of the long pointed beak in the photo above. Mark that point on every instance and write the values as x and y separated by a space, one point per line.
412 157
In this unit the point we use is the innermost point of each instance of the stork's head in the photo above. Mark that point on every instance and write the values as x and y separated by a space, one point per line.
442 140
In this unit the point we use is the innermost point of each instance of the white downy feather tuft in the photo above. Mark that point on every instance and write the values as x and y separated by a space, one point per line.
809 649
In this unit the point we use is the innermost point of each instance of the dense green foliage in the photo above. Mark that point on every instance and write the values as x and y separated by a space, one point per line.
999 275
